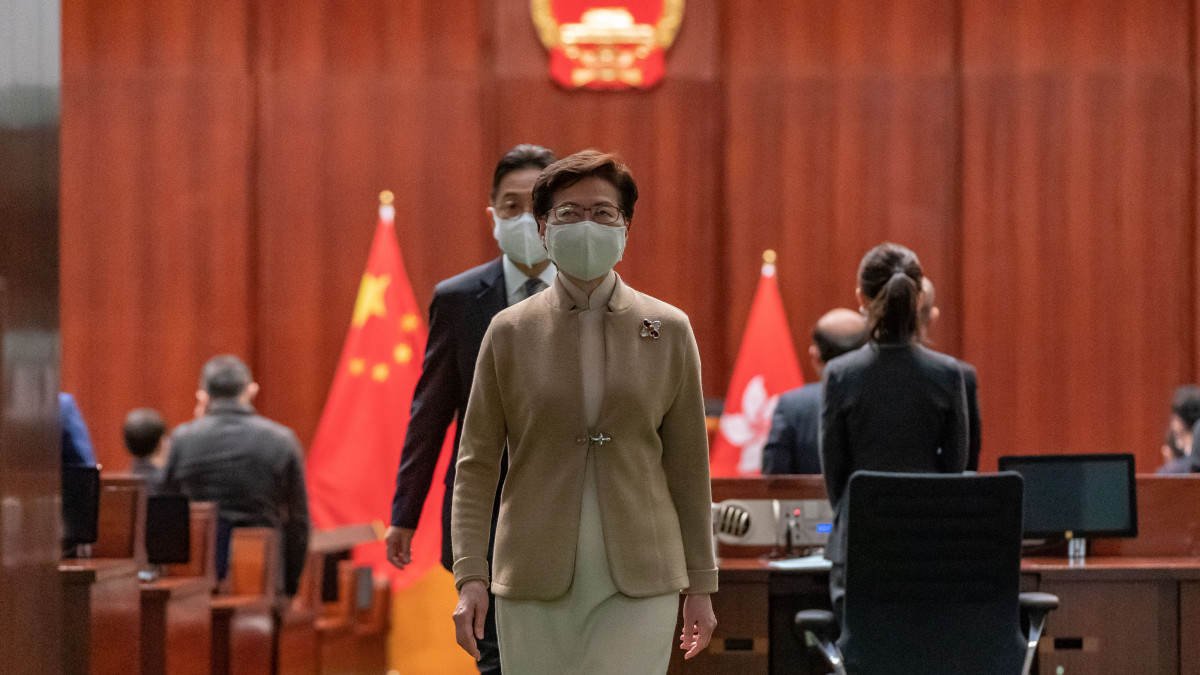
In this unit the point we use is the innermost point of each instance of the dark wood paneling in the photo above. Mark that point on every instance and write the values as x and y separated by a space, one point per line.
355 99
1077 222
157 111
671 137
222 165
841 133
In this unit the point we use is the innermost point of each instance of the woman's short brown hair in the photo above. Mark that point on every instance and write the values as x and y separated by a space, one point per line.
585 164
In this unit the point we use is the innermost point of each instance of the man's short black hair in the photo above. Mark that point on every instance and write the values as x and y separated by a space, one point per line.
831 345
1186 404
225 376
524 156
144 429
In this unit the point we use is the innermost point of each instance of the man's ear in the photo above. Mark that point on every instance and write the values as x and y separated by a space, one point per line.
251 391
862 303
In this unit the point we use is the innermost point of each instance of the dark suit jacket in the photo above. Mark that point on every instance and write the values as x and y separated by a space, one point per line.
974 437
459 314
889 407
793 445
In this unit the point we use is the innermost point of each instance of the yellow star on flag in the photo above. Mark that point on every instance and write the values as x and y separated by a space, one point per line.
370 300
380 372
403 354
409 322
357 366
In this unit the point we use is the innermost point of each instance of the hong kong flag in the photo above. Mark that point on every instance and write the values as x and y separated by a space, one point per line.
351 467
766 366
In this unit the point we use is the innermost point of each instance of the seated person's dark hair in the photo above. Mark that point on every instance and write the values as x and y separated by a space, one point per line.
1186 404
225 376
831 345
144 429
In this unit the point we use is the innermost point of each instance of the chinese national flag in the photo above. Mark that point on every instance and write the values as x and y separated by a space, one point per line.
351 467
766 366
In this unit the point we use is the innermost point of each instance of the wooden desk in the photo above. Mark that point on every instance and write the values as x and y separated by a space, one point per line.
1120 614
101 607
176 626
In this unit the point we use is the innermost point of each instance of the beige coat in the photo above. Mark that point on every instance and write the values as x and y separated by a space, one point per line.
651 466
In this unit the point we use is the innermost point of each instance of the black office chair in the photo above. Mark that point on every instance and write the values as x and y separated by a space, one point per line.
932 576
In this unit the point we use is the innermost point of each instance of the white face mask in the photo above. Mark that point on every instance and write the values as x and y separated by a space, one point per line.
585 250
518 238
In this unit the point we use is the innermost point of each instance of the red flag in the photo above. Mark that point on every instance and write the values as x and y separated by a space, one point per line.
766 367
352 464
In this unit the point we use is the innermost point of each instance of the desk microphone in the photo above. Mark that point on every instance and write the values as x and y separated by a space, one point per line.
731 521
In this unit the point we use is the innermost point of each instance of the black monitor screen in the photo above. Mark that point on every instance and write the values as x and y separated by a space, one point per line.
168 530
1085 495
80 504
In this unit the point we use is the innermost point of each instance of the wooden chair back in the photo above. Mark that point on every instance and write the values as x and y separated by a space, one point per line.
253 562
344 606
122 518
377 617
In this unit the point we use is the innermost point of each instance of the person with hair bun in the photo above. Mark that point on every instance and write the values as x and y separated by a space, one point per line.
893 405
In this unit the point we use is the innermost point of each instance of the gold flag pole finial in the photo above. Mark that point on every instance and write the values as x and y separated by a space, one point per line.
386 197
768 257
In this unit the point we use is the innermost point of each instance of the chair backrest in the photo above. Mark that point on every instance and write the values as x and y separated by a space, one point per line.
253 562
121 529
933 574
203 519
344 606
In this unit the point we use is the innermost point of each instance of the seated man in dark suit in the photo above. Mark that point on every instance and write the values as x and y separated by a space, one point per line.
927 315
792 446
249 465
144 433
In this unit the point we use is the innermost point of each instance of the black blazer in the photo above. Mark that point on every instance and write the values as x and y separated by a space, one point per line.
794 445
890 407
459 314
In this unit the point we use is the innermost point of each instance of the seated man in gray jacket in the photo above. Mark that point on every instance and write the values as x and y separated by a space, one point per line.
249 465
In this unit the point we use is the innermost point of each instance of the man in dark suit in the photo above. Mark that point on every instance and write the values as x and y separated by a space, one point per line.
793 445
459 314
927 315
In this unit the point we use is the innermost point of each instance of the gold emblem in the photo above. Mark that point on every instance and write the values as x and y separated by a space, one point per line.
611 45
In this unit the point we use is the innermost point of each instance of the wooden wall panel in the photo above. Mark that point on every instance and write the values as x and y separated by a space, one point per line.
157 108
671 137
355 99
1078 221
222 162
841 133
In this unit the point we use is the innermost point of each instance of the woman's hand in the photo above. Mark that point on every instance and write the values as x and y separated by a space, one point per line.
472 609
698 623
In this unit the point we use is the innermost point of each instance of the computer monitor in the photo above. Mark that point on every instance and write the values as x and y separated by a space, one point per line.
168 530
80 505
1076 496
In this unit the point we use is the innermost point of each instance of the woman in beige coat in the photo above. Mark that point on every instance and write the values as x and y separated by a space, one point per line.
605 516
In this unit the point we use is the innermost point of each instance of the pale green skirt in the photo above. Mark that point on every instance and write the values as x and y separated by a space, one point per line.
594 628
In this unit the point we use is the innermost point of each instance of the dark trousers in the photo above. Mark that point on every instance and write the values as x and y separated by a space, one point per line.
489 646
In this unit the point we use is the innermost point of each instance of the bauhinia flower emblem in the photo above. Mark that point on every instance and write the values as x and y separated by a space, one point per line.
650 328
749 429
